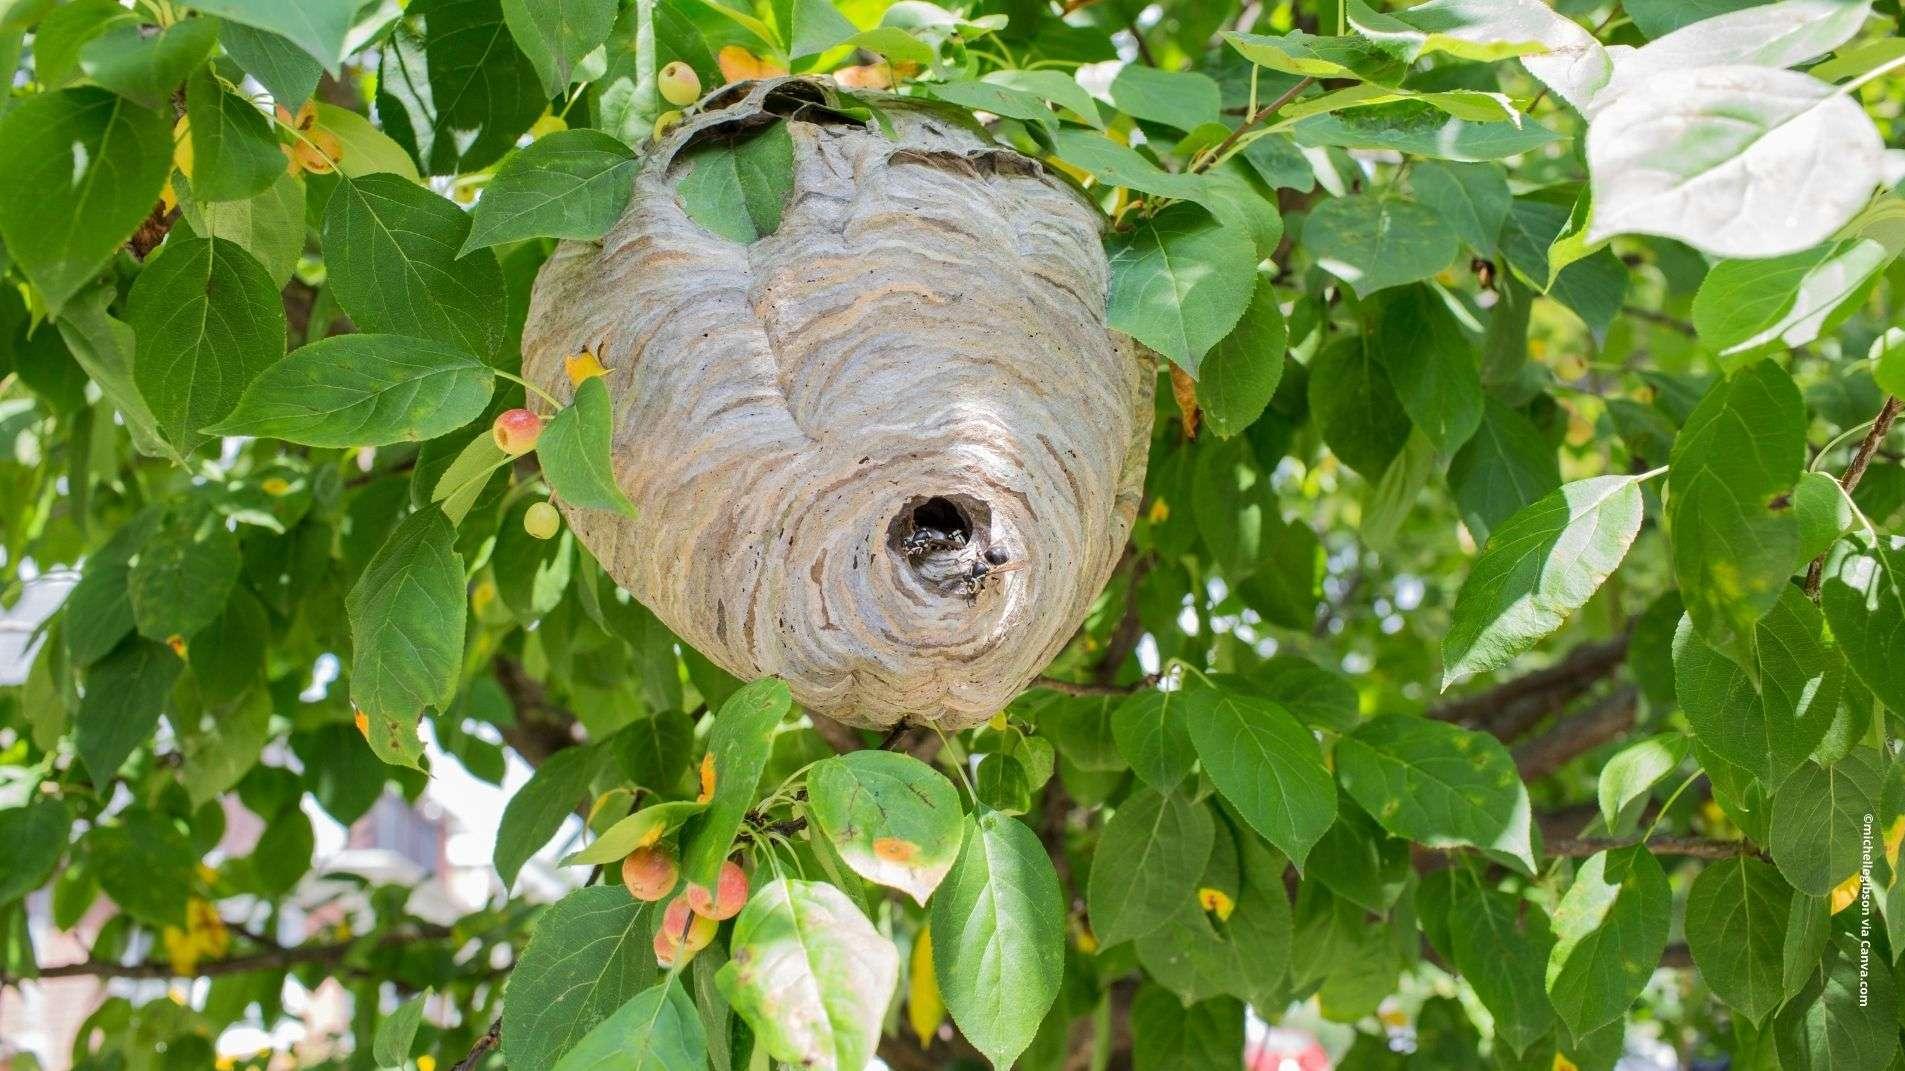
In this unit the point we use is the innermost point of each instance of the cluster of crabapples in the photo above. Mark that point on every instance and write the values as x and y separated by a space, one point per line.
516 432
689 921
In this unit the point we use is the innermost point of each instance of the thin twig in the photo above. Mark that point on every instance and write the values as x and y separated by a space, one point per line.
490 1039
1854 472
1089 688
1210 159
1654 316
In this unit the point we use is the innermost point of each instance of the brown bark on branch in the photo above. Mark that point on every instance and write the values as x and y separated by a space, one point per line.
270 959
1511 708
1578 734
1854 472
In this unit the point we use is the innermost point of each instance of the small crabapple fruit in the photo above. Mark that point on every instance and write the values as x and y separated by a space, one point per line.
516 431
542 521
679 84
730 893
682 933
650 873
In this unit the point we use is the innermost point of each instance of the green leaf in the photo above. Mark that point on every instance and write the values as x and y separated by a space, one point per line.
1734 464
1688 153
1198 955
32 839
570 184
98 612
1180 281
1539 567
183 575
998 925
537 810
454 88
1160 844
1610 929
407 618
1266 764
1482 30
146 67
892 818
1240 374
363 390
1437 784
556 34
638 830
1736 929
317 26
738 189
208 320
811 26
1837 1020
1373 242
1306 54
145 864
1629 777
1421 128
390 1046
269 226
366 150
1743 304
738 747
1501 944
810 974
1472 198
1819 817
392 252
104 347
1224 192
83 168
590 953
1767 715
997 98
1431 363
1864 599
288 72
657 1030
1153 736
1181 99
1356 407
1059 87
1657 18
234 150
577 451
1167 1036
1505 467
1319 697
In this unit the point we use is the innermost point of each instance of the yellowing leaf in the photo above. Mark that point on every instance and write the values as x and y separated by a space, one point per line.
1845 894
1217 902
924 1008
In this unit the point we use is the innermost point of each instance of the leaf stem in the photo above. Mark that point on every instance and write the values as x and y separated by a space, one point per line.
526 385
1218 154
1671 800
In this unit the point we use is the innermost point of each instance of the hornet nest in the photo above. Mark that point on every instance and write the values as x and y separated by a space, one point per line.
888 452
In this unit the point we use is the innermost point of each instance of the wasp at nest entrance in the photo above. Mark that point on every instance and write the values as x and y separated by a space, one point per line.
948 543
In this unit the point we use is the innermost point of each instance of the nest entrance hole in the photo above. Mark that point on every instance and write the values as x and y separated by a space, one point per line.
940 538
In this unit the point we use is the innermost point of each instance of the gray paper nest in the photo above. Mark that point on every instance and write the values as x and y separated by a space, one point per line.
829 431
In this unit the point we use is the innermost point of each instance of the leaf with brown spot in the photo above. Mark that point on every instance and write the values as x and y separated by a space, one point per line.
890 816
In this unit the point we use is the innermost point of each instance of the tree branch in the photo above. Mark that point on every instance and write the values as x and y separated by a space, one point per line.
1512 707
1690 847
1854 472
490 1039
1210 159
542 728
270 959
1579 733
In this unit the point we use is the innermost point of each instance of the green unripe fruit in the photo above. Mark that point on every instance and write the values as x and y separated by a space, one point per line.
679 84
542 521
